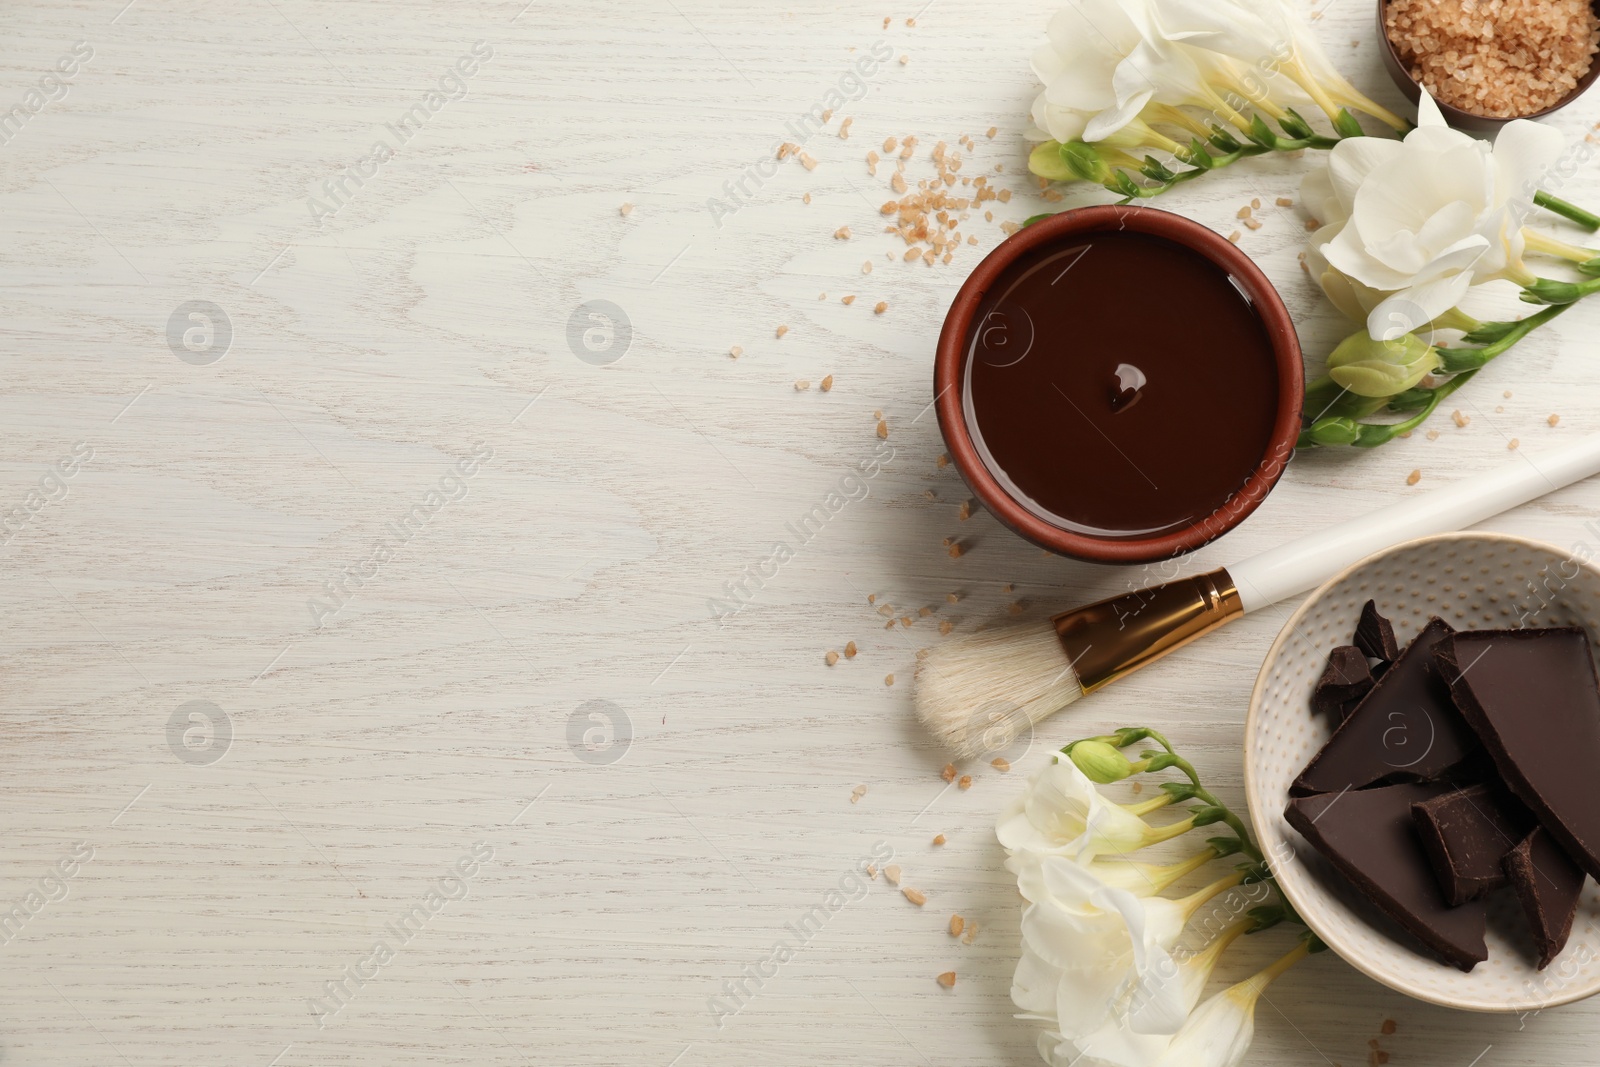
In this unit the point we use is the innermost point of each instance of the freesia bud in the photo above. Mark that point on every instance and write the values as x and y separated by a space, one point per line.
1338 431
1046 161
1101 762
1085 162
1369 367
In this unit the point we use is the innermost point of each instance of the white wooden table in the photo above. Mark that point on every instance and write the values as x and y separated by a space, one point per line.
438 714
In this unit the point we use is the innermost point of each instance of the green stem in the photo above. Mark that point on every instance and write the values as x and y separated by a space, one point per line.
1587 219
1375 434
1455 360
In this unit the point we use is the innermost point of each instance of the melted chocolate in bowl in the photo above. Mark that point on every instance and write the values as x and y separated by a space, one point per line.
1119 385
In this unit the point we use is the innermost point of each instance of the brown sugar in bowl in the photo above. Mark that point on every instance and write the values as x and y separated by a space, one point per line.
1456 117
1076 356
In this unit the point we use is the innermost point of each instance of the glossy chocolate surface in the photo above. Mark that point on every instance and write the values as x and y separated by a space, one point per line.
1120 385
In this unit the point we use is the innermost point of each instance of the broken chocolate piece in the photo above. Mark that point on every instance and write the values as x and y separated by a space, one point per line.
1369 836
1405 729
1345 681
1532 697
1547 883
1466 833
1375 634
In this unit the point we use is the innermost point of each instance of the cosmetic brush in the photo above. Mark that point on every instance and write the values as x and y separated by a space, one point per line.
978 691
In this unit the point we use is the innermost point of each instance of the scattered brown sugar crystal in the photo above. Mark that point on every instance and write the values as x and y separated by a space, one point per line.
888 679
1234 236
1014 608
956 550
806 198
850 650
626 209
866 267
832 657
938 839
842 233
782 330
972 932
827 114
911 22
827 383
1254 224
857 793
992 131
1284 201
965 782
807 161
735 352
904 60
924 612
802 385
890 144
1512 444
1506 394
847 300
1498 59
1414 477
1553 419
844 129
1460 419
883 429
872 871
1001 764
886 22
952 598
1433 435
948 979
912 253
956 925
898 183
880 307
949 774
892 873
786 148
944 461
1243 213
1387 1028
945 627
1313 224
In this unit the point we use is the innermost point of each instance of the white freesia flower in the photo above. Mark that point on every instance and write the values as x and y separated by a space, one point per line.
1087 946
1409 226
1062 813
1105 61
1218 1033
1115 1044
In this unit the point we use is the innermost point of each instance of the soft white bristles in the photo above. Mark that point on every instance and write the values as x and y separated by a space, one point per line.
978 693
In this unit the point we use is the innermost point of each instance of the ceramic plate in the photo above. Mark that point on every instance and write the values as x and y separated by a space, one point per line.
1472 581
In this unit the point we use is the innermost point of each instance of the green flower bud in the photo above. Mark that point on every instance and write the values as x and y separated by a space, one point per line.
1085 162
1331 432
1100 762
1046 161
1368 367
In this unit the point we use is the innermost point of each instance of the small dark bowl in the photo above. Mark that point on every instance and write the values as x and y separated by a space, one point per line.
1465 120
950 363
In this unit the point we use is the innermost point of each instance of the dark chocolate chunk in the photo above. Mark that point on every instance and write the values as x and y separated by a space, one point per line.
1547 883
1405 729
1369 836
1532 697
1344 681
1466 833
1375 634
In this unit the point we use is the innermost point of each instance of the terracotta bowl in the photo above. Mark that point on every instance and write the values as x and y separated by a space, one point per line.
1465 120
1472 581
950 366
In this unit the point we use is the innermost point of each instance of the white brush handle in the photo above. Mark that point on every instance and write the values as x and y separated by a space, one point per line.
1311 560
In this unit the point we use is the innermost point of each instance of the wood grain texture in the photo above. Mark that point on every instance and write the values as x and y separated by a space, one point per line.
373 350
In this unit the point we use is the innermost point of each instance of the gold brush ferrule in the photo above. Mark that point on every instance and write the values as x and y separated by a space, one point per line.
1117 636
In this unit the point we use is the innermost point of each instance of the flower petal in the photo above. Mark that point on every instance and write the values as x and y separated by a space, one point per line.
1413 308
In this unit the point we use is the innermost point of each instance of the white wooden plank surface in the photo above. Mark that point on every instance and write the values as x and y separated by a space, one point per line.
431 713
